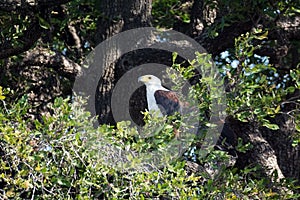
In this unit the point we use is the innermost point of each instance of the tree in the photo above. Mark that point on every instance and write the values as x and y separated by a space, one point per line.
254 43
219 30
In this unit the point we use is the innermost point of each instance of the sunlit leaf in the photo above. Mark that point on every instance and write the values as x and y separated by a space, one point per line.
263 36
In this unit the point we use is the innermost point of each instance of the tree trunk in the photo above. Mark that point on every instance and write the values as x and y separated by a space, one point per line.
120 16
117 16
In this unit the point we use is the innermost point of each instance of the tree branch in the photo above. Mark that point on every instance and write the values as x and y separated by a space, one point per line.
28 39
55 60
286 29
34 31
197 17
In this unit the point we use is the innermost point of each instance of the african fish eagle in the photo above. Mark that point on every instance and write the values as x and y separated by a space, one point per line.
160 100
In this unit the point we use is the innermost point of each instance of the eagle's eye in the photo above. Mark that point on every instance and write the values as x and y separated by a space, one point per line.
149 77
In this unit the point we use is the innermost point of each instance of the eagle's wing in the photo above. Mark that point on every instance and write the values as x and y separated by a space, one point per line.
167 101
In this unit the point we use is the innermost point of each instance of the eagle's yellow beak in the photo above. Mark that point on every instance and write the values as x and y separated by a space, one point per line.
142 79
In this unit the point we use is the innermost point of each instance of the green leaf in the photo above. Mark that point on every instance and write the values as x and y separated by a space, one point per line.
174 56
43 23
290 89
1 92
271 126
277 109
263 79
263 36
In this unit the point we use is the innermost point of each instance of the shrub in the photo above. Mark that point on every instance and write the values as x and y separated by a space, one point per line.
49 159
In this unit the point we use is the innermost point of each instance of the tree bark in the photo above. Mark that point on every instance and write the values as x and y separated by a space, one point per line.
117 16
261 153
281 141
42 75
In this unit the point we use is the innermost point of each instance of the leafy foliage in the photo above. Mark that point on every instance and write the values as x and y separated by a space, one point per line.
255 94
51 159
167 12
235 11
58 26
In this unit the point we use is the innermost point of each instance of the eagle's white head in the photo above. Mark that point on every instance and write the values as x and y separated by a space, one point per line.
150 80
160 100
